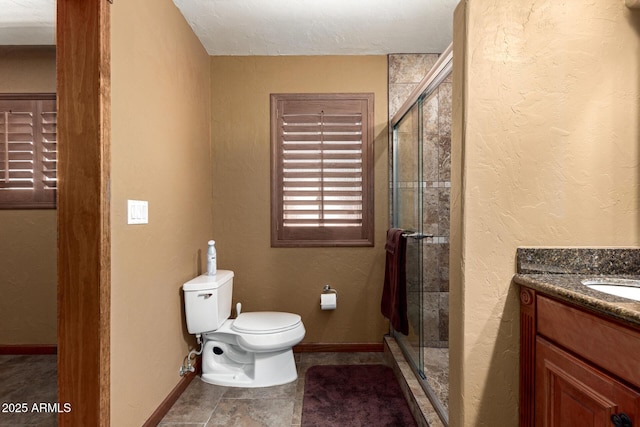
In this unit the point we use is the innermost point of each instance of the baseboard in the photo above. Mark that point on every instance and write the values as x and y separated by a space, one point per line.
28 349
338 347
173 396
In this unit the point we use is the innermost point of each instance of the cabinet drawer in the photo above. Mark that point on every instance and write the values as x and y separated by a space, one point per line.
609 345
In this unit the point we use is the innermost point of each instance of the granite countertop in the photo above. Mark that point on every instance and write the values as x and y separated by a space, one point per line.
567 287
558 272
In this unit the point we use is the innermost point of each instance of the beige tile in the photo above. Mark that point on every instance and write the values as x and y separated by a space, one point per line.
252 412
444 110
412 270
196 404
430 315
413 313
443 266
430 212
430 278
284 391
338 358
437 370
444 196
296 420
430 114
411 67
444 158
398 94
443 317
430 156
163 424
34 384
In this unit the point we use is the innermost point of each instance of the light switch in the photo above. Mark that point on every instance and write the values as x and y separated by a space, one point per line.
137 212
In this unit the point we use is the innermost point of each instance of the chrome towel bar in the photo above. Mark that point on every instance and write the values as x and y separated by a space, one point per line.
416 235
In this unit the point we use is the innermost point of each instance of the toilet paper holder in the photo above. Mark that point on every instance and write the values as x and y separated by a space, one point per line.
327 290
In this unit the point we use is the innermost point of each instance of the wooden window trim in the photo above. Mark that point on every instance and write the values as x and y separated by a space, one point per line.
326 234
43 194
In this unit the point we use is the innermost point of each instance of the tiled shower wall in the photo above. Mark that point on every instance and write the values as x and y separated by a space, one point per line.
405 73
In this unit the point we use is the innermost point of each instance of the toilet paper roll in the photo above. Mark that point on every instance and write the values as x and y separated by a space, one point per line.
328 301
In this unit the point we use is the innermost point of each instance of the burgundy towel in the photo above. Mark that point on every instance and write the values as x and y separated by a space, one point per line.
394 293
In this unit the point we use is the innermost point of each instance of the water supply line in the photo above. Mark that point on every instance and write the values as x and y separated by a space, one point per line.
186 363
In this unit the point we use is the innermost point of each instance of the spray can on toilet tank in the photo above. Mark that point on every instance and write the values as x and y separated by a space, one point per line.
212 265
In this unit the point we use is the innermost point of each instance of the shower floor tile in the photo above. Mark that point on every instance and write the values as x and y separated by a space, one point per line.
436 369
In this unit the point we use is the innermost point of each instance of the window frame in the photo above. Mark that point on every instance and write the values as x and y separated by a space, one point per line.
322 235
38 197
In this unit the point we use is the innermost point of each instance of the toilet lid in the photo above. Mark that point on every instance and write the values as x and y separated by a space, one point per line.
265 322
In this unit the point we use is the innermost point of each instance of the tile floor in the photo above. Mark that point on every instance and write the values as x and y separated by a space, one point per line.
202 405
206 405
28 380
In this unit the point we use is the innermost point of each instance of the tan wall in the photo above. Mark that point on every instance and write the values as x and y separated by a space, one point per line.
160 153
28 237
546 150
291 279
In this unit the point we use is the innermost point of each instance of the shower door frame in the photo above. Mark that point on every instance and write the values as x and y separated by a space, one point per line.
438 73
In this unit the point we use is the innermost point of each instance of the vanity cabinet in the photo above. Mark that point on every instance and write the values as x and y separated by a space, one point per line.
577 368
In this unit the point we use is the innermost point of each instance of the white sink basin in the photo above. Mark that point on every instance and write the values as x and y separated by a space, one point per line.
626 288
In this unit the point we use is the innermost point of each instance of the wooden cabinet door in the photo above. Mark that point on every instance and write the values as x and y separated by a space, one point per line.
572 393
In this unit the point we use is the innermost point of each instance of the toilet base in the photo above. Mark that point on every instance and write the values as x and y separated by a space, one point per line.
228 365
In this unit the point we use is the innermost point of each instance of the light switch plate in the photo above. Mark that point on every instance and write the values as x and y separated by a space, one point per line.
137 212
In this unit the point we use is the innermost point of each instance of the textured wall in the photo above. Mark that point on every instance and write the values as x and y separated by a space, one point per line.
291 279
28 237
160 153
546 135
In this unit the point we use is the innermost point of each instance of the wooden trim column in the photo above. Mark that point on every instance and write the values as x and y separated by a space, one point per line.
527 356
83 88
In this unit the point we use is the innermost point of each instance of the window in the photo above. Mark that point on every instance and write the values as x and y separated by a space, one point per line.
321 170
27 151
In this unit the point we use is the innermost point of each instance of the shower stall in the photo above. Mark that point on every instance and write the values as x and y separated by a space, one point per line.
420 194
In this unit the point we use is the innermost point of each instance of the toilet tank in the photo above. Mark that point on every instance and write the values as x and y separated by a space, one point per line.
207 301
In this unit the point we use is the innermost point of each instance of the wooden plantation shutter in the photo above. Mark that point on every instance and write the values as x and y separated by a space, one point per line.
27 151
322 169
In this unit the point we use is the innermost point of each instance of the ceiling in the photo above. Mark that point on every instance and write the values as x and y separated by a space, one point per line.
320 27
27 22
277 27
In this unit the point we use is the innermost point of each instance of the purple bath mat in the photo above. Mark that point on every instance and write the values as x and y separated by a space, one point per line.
354 395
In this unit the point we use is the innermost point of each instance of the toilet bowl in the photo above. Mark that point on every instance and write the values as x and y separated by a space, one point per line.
252 350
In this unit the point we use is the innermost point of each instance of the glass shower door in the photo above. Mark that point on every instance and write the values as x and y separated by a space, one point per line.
421 185
407 214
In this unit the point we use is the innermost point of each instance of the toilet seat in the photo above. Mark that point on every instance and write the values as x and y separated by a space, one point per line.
265 322
262 331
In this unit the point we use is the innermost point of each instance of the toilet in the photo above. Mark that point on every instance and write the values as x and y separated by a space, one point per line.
252 350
